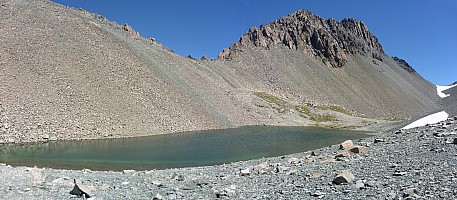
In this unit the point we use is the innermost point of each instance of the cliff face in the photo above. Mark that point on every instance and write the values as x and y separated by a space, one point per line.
328 40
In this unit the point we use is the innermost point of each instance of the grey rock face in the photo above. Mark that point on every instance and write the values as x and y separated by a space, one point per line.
328 40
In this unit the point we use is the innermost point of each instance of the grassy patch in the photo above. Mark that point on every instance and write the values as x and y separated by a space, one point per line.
322 118
303 110
269 98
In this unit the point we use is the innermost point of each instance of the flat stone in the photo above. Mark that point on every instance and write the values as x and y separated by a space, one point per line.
346 144
343 154
345 177
261 165
328 161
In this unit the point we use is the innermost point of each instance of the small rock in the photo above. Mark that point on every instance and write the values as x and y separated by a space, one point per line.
157 197
399 173
345 177
293 172
314 153
281 169
293 161
45 137
128 171
452 141
411 193
319 195
359 184
378 140
245 172
180 178
174 175
346 144
261 165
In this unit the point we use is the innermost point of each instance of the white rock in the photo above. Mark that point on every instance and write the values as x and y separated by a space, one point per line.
293 160
245 172
128 171
157 197
346 144
345 177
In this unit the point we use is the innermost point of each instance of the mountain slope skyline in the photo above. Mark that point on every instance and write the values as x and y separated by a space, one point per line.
71 74
425 41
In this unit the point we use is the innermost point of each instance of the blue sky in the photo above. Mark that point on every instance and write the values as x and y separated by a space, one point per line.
423 32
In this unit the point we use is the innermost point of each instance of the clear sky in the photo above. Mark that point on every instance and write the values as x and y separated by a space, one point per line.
423 32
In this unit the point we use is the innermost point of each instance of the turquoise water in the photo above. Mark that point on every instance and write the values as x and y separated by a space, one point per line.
175 150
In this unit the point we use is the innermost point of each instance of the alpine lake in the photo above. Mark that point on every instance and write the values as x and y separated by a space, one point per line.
176 150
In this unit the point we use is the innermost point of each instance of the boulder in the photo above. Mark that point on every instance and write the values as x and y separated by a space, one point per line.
358 149
81 190
345 177
346 144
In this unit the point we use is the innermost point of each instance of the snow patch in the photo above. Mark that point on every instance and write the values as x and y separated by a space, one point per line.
431 119
440 89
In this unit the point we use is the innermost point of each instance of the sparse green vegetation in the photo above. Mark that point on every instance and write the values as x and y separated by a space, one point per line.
322 118
303 110
269 98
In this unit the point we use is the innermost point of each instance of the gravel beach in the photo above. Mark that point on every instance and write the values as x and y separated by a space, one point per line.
408 164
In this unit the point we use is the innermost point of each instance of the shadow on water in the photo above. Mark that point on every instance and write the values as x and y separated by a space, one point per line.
175 150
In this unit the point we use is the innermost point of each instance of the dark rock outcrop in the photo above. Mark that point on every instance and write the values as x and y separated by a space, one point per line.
328 40
404 64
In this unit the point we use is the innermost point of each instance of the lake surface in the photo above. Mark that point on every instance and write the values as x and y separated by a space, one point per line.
175 150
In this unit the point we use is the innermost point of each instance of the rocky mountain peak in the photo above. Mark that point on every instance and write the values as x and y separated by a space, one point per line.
328 40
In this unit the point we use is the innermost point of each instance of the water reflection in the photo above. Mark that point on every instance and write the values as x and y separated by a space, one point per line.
175 150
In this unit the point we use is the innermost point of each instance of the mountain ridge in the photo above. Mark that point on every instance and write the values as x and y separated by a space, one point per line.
328 40
71 74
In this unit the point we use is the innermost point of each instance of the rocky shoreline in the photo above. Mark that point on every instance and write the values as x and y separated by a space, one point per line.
415 163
